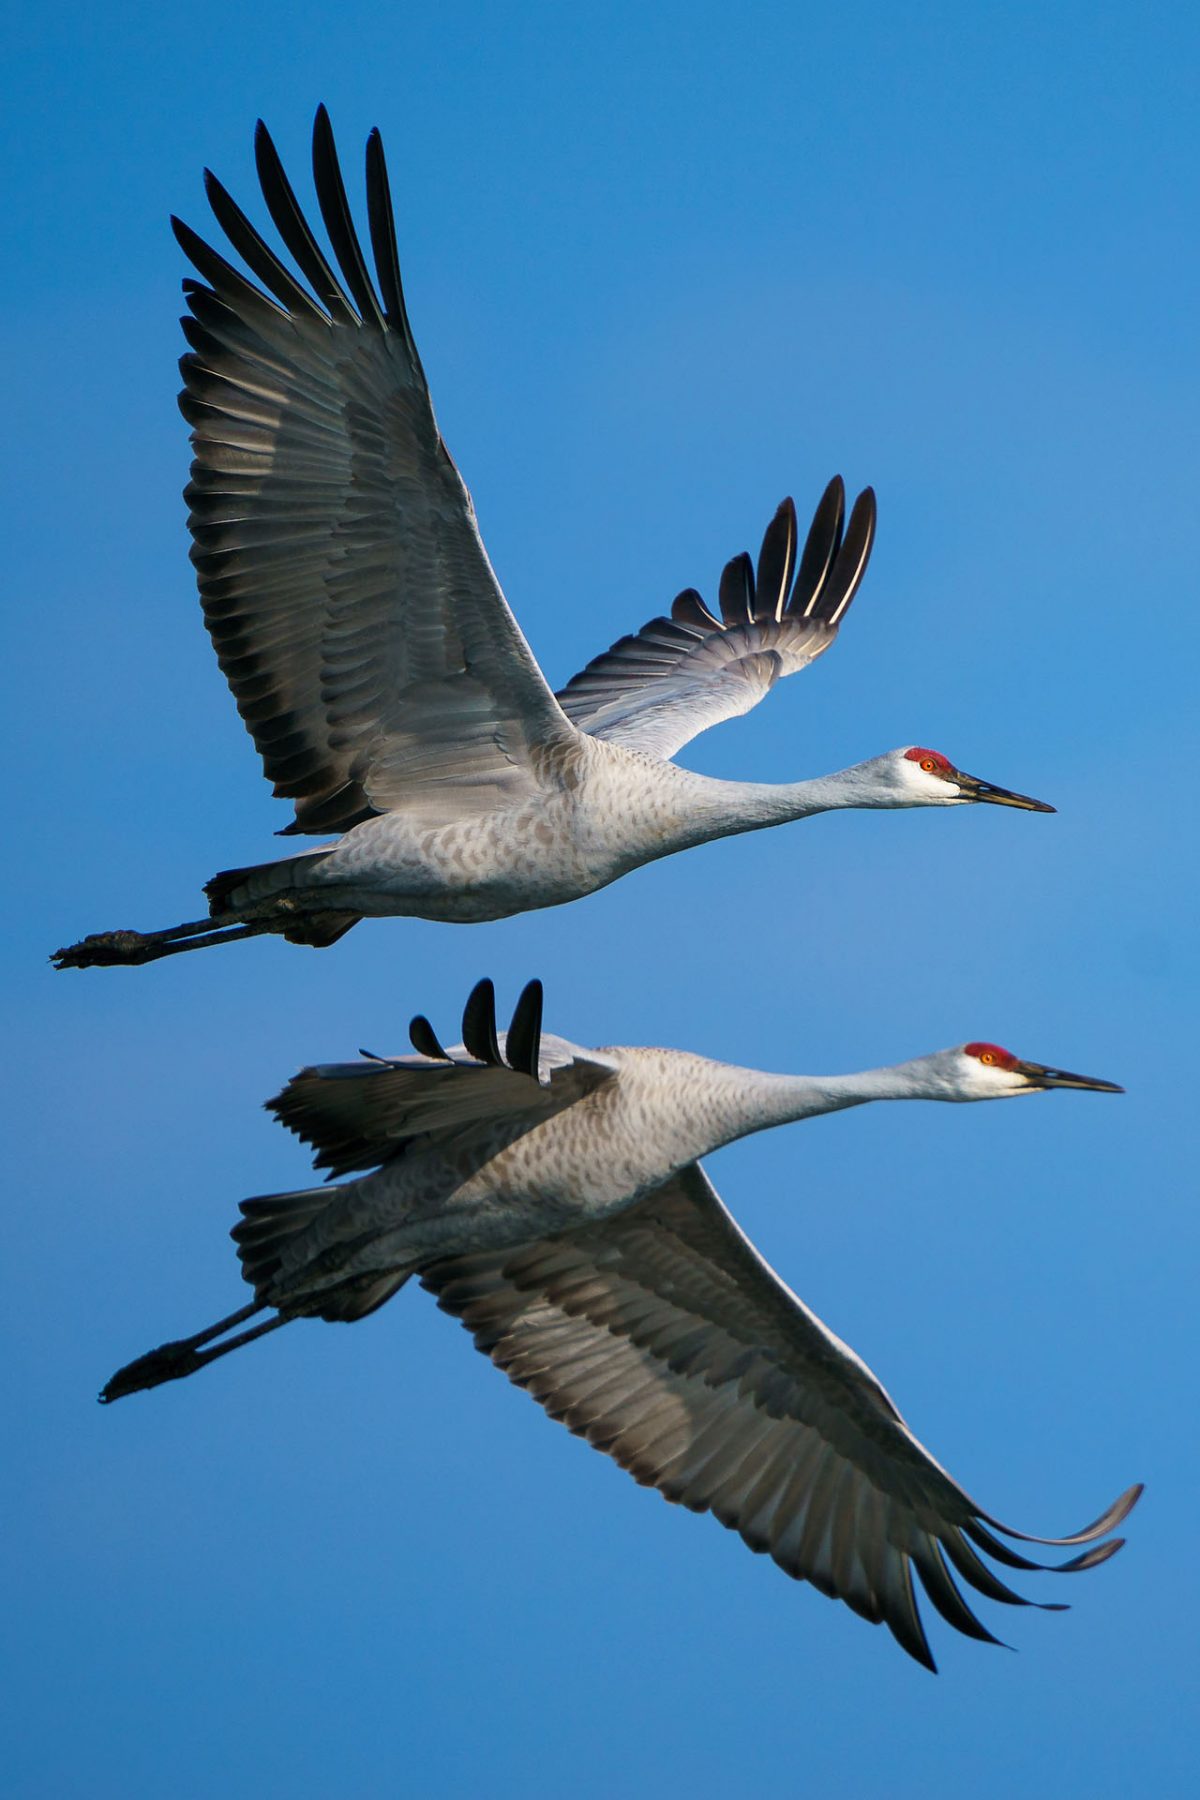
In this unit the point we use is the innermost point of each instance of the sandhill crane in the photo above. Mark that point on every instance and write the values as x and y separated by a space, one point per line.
372 655
551 1198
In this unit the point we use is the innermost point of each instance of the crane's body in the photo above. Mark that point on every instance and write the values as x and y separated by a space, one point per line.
520 1176
601 813
570 1162
598 813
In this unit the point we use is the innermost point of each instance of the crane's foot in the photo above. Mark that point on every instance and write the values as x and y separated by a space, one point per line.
170 1362
105 949
183 1356
108 949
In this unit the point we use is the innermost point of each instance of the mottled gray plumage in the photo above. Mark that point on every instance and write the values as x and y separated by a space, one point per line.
552 1199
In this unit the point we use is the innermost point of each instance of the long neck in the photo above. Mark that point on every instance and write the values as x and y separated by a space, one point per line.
714 809
748 1100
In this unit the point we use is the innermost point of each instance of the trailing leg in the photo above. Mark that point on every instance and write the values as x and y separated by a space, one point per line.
242 903
108 949
314 1286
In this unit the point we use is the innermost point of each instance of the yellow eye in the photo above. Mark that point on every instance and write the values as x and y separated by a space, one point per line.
987 1057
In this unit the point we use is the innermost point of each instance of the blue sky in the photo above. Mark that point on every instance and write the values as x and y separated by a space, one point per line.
664 264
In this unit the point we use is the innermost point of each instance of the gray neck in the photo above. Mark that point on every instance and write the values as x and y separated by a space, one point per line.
748 1100
723 808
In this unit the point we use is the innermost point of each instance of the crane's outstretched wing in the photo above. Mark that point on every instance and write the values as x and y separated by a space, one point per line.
345 586
358 1115
665 1339
657 689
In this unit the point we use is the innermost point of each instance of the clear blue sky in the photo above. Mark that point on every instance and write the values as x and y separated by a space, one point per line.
665 264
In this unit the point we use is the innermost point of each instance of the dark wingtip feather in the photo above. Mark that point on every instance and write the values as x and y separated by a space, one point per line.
186 238
904 1623
850 564
293 228
984 1580
525 1032
228 283
1091 1559
940 1587
381 222
736 593
287 1105
688 609
820 549
275 1104
1109 1519
339 223
776 562
424 1039
1125 1503
257 255
479 1023
1003 1553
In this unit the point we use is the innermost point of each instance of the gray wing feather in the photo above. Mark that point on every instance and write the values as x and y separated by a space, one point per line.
344 582
361 1114
666 1340
659 687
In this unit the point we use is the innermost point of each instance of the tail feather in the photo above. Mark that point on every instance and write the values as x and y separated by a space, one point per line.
219 891
234 890
312 1289
269 1224
241 903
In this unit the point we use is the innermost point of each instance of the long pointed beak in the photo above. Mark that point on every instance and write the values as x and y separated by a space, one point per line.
971 788
1038 1075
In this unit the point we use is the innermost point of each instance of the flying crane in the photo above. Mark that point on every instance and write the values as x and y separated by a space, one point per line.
552 1198
385 682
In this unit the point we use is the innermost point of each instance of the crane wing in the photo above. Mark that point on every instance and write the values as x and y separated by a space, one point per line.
665 1339
345 586
657 689
358 1115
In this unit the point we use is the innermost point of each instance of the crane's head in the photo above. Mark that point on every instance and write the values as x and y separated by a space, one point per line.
927 778
982 1071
